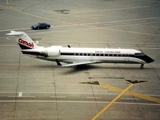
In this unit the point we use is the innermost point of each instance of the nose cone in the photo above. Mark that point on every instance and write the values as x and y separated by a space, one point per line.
149 59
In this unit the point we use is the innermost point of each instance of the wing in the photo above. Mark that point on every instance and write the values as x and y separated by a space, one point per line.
75 63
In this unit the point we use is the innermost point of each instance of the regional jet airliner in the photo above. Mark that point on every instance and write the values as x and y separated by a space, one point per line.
79 56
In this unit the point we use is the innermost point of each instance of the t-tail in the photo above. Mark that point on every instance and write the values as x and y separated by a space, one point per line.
24 41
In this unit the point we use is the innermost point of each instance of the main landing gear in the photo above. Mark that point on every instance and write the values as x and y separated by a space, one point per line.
142 66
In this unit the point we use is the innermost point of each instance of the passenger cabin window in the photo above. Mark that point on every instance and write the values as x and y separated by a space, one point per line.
139 54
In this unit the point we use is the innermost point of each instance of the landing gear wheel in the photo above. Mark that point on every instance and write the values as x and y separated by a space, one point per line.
142 66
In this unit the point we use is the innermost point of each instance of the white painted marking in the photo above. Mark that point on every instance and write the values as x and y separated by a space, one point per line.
20 94
14 29
7 45
86 102
130 98
69 93
58 96
11 96
28 96
93 97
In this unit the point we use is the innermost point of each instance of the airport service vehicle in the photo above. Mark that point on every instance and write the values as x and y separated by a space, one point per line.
79 56
41 26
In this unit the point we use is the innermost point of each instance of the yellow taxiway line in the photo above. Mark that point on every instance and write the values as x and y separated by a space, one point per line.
64 22
131 93
109 104
6 2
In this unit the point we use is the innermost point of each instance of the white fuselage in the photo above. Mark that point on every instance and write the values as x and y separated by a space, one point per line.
78 56
99 55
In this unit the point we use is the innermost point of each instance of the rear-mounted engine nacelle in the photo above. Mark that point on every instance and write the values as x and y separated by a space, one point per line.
51 52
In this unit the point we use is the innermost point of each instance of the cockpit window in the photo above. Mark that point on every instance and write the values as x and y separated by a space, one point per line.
139 54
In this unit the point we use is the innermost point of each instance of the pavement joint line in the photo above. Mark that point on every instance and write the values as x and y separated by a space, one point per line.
118 30
131 93
41 17
114 9
110 103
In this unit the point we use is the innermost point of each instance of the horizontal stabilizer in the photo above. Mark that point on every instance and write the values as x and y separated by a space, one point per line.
15 33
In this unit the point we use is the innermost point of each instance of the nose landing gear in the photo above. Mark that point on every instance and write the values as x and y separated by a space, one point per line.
142 66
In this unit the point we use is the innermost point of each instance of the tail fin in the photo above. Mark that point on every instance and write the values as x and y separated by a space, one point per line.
24 41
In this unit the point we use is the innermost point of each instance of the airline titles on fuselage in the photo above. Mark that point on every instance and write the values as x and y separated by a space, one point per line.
108 52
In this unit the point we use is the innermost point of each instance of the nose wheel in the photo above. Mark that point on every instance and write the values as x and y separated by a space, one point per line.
142 66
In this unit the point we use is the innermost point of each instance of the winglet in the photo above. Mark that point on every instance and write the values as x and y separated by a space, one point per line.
58 63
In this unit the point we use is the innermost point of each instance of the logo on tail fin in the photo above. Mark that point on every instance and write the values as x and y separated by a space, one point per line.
25 43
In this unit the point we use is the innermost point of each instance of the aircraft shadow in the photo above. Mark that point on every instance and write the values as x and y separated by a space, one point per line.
80 68
83 68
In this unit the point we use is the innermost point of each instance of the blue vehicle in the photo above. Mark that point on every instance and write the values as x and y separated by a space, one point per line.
41 26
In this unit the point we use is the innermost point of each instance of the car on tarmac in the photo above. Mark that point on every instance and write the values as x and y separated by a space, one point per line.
41 26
